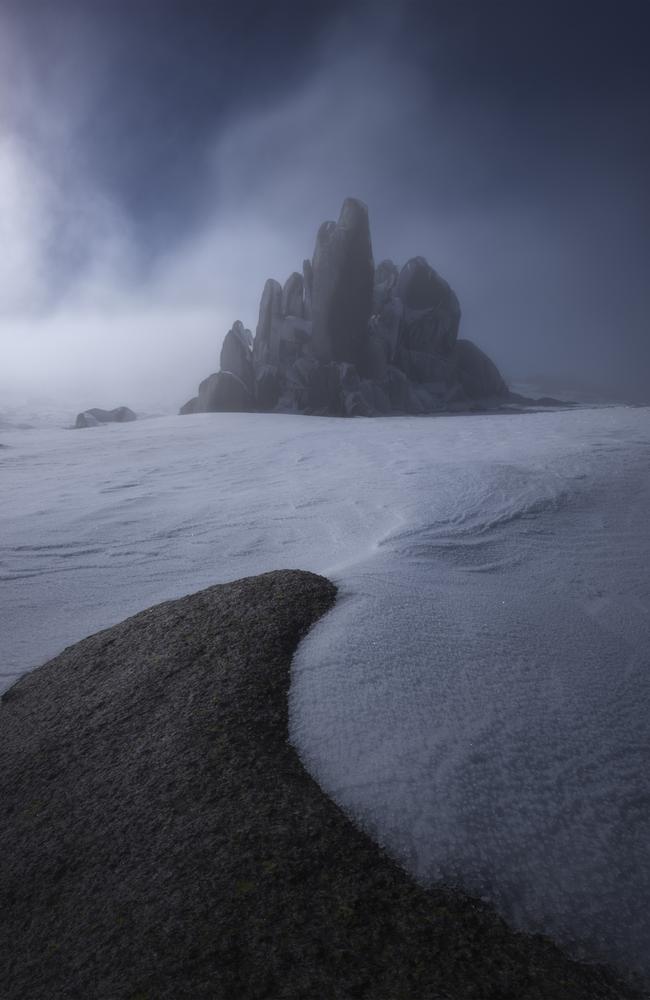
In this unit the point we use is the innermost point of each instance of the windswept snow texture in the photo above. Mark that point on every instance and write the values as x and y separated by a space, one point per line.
479 699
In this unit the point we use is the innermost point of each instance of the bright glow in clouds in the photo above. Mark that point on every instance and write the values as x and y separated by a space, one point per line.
478 697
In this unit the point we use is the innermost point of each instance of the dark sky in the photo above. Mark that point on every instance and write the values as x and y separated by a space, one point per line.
159 159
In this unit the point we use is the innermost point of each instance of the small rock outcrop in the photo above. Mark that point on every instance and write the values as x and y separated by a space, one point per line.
346 338
94 417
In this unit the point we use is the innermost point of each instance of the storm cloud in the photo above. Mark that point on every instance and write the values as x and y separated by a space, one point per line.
157 167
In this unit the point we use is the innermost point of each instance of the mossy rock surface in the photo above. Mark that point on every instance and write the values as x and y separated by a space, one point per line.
161 840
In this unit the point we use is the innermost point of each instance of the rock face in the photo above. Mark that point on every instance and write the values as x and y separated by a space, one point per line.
347 339
342 287
160 837
237 355
477 374
94 417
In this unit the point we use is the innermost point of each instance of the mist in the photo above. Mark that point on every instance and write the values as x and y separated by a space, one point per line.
538 220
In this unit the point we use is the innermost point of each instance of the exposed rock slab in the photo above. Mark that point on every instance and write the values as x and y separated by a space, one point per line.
160 838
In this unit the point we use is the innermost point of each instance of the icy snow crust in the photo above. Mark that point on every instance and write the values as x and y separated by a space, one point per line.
479 698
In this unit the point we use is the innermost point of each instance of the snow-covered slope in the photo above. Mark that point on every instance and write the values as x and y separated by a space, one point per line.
479 698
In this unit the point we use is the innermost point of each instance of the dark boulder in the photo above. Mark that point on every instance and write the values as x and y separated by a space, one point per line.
432 311
477 374
190 406
226 392
161 837
420 287
343 278
95 416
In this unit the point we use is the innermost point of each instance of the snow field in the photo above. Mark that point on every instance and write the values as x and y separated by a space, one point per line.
477 700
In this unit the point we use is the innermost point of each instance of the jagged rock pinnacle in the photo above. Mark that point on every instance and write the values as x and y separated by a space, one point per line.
346 339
